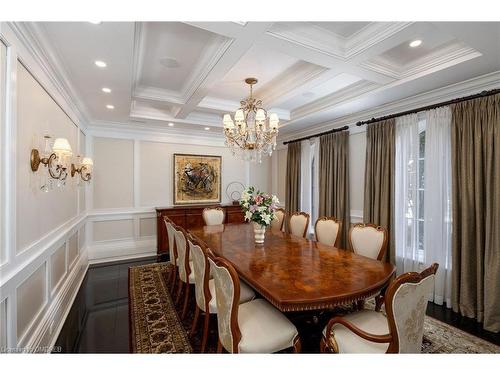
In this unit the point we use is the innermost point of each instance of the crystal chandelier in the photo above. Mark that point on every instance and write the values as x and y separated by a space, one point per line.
252 133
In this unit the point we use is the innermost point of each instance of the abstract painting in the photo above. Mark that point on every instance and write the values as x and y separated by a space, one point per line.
197 179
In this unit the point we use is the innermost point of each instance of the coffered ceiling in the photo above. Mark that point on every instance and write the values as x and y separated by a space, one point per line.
184 76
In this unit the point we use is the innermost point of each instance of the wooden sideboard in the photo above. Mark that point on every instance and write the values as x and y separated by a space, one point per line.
189 217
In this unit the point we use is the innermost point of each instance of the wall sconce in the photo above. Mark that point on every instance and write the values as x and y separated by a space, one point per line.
84 169
55 158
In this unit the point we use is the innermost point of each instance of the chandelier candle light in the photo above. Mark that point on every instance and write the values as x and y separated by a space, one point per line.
253 132
259 208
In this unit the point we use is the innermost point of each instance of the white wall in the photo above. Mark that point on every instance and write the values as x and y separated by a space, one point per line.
41 263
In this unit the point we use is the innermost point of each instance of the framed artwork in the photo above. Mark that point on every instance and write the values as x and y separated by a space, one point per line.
197 179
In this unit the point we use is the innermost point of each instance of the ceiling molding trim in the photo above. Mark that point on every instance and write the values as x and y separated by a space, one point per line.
35 42
211 56
157 94
138 54
153 133
223 106
346 94
371 35
485 82
453 54
289 81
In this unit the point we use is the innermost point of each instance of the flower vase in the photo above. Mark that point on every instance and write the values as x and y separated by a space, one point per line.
259 232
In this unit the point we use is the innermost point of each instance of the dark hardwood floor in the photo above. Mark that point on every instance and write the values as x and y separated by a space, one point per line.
98 319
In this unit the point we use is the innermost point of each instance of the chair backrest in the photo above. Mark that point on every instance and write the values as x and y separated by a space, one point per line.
201 269
227 290
183 254
368 240
171 240
406 301
327 230
277 223
298 223
213 216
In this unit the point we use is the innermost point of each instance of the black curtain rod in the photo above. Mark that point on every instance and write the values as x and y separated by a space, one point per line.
432 106
317 135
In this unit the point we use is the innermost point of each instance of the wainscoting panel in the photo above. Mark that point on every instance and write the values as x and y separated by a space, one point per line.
72 249
113 230
57 267
31 299
147 227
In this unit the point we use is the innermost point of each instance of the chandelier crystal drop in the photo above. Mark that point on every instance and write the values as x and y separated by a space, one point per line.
252 133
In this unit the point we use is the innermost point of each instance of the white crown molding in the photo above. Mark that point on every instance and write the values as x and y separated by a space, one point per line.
329 43
346 94
288 82
35 41
371 35
138 54
153 133
469 87
452 54
211 55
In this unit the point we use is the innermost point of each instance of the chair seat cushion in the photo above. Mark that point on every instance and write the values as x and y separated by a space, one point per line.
246 294
264 329
369 321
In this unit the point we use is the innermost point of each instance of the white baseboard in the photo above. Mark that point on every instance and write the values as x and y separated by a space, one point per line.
108 251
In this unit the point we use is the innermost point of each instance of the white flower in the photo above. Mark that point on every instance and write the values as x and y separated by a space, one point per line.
266 218
261 208
245 195
275 199
248 215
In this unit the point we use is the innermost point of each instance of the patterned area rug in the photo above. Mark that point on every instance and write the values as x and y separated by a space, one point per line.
155 326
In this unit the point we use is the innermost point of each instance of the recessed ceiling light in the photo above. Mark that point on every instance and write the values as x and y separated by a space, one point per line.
169 62
415 43
207 128
96 22
170 124
106 90
110 106
101 64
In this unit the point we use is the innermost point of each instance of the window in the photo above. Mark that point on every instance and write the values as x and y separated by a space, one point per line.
420 190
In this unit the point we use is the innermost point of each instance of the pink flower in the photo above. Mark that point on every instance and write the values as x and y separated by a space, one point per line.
259 199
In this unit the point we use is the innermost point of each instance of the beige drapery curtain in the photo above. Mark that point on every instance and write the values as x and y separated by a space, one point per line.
292 188
475 144
334 180
379 179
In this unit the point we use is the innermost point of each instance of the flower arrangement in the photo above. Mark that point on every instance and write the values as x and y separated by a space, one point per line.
258 207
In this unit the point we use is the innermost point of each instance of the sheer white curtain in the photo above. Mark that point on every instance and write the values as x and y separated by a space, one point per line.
423 196
309 179
406 219
437 217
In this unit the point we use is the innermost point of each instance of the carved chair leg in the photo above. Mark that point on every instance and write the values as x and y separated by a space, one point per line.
361 304
174 279
179 292
195 321
219 346
379 301
206 324
297 345
186 298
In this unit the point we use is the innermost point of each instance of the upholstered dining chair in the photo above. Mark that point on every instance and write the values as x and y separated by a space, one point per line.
369 240
251 327
204 287
327 230
171 250
186 274
298 224
213 216
279 220
401 331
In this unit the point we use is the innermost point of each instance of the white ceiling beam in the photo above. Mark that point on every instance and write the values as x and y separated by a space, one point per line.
239 46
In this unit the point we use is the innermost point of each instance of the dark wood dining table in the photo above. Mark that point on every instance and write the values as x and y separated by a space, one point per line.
294 273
